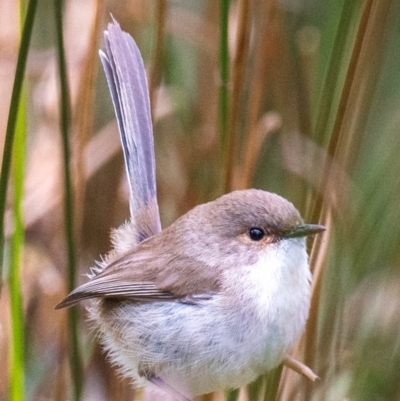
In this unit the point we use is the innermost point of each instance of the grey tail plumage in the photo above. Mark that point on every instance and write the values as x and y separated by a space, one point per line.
126 77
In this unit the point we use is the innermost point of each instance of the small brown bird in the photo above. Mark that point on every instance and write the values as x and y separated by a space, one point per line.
214 300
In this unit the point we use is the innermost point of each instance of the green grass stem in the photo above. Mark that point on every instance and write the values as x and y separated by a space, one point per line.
17 381
14 149
12 119
65 122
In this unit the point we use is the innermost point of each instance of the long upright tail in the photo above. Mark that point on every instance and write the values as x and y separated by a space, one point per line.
126 77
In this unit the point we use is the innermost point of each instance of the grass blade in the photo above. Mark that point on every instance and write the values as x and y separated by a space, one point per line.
17 317
12 118
15 147
65 122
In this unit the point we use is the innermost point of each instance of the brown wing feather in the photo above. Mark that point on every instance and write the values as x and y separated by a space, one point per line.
142 276
114 288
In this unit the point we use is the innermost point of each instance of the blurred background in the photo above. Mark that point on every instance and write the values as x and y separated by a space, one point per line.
298 97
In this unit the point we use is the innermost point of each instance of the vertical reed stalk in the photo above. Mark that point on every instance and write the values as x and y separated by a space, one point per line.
14 147
65 123
224 79
236 99
12 119
17 363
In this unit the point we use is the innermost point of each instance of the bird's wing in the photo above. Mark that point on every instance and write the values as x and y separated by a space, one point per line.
113 287
140 276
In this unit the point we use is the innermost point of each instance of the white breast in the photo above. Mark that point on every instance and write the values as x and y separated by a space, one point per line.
273 298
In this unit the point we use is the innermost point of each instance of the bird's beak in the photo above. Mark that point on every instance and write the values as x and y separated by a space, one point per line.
303 230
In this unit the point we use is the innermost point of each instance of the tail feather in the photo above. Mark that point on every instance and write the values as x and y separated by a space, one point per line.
126 77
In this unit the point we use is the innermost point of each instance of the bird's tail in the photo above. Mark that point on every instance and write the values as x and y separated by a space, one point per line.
126 77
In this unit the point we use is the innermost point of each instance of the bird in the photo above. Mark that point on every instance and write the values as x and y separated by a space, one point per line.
212 301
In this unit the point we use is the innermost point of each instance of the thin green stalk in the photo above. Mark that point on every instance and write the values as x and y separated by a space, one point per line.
17 339
65 120
12 119
17 381
224 78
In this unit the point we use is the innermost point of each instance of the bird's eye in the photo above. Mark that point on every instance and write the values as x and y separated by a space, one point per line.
256 233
